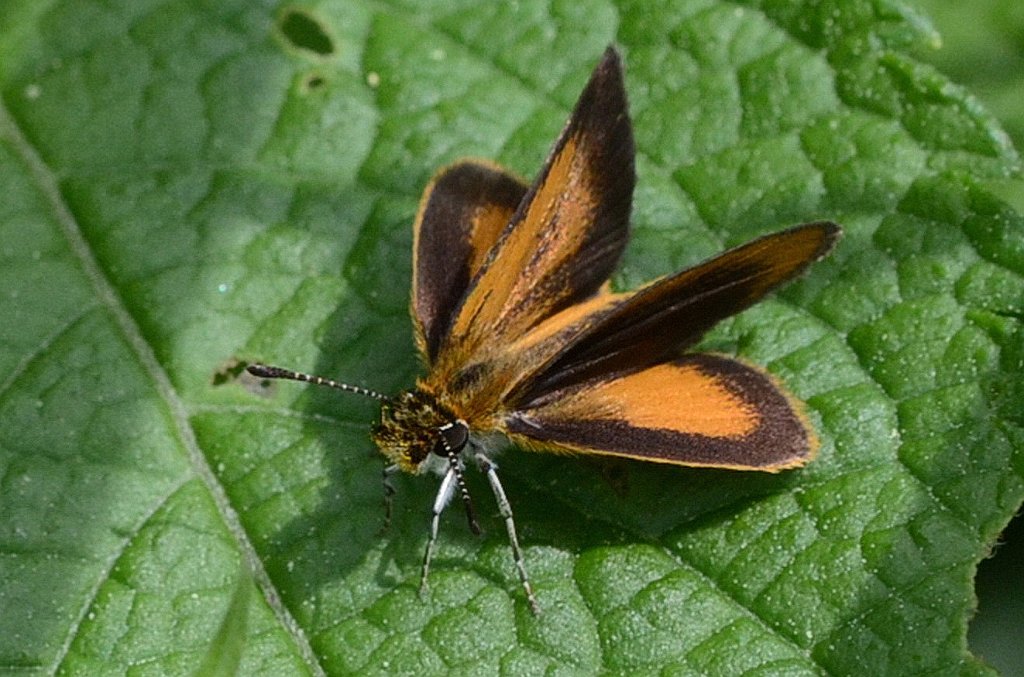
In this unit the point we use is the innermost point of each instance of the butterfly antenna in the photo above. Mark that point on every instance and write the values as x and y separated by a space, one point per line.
266 371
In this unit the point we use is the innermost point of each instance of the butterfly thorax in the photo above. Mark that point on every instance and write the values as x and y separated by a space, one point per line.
413 425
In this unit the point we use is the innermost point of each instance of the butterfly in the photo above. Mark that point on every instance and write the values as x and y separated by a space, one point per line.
521 334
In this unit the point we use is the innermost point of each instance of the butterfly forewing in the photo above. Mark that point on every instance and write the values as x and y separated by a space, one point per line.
463 211
658 321
566 236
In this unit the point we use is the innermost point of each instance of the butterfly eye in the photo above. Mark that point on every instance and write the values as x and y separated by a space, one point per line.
454 437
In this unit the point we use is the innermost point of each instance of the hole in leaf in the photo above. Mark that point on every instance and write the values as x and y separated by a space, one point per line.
313 81
234 371
227 372
305 32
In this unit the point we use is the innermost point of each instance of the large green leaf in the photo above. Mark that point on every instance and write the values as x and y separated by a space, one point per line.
188 183
983 46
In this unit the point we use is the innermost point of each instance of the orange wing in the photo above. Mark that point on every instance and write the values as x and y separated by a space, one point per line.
658 321
618 385
566 236
462 213
697 410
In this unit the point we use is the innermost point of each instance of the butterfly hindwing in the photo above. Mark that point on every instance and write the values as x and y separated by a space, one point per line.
462 213
696 410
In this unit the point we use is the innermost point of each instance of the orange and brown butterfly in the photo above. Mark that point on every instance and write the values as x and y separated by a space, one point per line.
521 335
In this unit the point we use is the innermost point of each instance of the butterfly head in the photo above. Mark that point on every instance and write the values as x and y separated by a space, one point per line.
414 427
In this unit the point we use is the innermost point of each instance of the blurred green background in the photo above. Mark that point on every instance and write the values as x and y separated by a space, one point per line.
983 49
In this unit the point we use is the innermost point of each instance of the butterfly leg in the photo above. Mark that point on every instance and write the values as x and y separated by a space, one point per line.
389 492
444 495
455 464
505 508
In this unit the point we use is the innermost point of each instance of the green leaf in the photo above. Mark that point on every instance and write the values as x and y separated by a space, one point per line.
981 45
186 184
